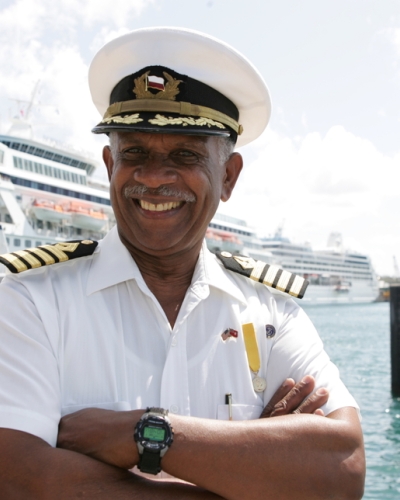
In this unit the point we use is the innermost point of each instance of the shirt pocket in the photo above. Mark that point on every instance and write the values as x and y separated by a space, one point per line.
239 412
116 406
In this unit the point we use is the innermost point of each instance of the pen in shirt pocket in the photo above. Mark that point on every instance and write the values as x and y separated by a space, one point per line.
228 401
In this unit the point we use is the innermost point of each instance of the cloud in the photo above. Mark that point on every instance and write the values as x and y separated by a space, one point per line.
319 184
53 42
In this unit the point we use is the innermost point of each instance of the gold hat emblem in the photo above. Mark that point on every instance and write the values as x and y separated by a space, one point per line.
170 91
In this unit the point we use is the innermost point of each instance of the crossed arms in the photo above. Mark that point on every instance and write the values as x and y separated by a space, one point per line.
298 455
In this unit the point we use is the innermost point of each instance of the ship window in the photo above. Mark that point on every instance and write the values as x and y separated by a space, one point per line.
17 242
28 243
7 218
38 243
17 162
1 156
54 189
7 240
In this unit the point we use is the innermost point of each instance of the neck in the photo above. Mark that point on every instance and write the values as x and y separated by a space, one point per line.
167 276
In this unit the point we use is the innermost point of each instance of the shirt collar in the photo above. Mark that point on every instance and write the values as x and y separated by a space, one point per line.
112 264
212 272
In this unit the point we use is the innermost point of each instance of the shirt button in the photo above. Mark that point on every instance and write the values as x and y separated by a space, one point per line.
174 341
174 408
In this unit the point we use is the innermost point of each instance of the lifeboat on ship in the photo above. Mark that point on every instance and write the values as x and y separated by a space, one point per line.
343 287
49 211
87 218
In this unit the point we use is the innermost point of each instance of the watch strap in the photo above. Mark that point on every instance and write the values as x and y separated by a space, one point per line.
150 462
157 410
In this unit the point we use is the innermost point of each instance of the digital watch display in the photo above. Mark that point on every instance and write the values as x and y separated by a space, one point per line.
153 436
154 433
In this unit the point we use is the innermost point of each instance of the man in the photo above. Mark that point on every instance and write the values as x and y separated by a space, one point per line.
149 318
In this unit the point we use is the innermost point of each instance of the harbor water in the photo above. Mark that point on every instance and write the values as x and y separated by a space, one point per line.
357 338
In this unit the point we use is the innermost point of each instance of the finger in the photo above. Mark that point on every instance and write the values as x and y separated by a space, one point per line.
281 392
314 402
319 412
295 397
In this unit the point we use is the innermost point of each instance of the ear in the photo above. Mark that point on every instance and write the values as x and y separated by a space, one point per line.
233 167
108 161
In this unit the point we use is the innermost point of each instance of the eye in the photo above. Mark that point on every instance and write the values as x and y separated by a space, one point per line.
185 156
132 152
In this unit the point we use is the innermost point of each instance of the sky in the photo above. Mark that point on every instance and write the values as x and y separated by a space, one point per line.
329 159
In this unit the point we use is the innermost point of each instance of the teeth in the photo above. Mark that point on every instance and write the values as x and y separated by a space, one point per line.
160 207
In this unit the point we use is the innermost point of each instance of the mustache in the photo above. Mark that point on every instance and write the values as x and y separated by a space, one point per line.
130 191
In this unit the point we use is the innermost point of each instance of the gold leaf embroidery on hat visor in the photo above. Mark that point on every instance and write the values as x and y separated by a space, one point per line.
170 92
127 120
181 108
184 121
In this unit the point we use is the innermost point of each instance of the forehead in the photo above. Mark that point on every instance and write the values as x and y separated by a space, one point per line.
160 139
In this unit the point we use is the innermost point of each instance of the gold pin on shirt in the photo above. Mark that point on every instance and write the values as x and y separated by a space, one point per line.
253 356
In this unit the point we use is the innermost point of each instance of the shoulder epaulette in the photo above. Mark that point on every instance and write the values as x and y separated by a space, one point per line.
45 255
270 275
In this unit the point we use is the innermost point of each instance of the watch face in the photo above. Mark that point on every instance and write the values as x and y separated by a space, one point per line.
154 433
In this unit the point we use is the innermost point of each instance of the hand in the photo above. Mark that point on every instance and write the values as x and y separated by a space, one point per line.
296 398
106 435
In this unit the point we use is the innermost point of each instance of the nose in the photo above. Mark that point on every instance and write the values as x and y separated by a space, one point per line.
155 172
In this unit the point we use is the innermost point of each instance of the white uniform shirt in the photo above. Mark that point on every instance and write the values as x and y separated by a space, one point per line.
89 333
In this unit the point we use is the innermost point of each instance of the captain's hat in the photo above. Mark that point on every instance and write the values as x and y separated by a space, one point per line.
174 80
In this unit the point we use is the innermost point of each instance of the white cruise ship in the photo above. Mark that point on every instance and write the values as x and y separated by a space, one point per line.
336 275
49 195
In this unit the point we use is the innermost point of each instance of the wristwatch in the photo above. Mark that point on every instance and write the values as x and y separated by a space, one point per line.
153 435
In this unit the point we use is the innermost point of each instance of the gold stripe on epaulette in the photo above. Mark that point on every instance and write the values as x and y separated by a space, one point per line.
30 259
15 261
296 287
61 256
257 271
47 259
283 281
271 275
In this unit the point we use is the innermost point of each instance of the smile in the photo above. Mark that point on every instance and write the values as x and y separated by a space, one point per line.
160 207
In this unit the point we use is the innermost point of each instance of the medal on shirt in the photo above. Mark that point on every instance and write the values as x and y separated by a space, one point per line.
253 356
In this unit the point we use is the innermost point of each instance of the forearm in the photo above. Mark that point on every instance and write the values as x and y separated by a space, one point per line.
29 468
293 456
296 456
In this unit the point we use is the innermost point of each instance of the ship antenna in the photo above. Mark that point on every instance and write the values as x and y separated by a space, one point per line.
279 229
20 124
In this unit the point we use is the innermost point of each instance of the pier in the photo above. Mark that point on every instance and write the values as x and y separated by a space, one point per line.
395 337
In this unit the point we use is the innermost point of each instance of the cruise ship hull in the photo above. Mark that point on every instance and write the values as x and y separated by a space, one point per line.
324 294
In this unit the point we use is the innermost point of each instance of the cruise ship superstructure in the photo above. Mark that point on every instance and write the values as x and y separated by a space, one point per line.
336 275
49 195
